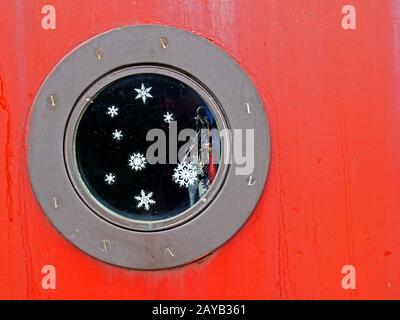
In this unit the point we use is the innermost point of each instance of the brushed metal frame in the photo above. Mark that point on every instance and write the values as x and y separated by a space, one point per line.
78 71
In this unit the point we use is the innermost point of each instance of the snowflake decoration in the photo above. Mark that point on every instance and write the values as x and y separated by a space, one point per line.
137 161
117 135
144 200
143 93
110 178
168 117
185 174
112 111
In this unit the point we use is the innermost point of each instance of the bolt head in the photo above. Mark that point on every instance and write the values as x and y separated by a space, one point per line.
105 245
52 101
250 180
169 252
164 42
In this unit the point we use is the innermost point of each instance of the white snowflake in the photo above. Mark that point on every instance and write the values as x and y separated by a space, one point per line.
143 93
137 161
144 200
110 178
185 174
117 135
168 117
112 111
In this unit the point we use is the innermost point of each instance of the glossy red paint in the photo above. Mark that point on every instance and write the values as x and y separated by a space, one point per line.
332 197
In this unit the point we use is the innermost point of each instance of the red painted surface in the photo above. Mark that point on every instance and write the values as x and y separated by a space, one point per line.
332 197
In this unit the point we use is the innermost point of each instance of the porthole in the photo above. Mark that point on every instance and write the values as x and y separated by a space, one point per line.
106 144
107 161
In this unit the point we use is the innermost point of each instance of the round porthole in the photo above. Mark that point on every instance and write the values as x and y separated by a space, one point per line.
108 151
148 147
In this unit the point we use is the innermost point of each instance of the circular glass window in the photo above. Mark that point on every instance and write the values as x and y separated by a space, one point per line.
146 147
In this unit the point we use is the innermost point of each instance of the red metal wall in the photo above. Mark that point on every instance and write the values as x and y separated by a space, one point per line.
333 193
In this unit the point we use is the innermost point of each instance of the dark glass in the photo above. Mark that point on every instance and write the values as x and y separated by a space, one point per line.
133 105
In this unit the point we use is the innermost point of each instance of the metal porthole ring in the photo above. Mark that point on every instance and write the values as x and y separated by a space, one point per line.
106 240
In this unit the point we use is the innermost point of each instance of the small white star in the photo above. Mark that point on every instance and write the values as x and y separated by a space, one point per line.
112 111
168 117
143 93
145 200
110 178
117 135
